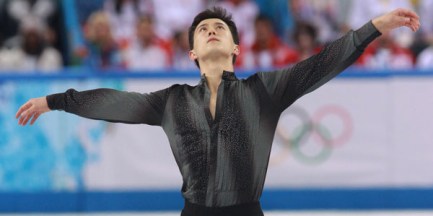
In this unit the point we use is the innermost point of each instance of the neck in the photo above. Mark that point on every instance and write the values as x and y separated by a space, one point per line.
213 71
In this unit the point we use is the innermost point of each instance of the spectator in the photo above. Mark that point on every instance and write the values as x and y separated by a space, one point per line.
33 52
123 16
385 53
323 14
103 51
147 51
305 37
268 50
19 10
47 11
180 56
244 13
85 8
277 11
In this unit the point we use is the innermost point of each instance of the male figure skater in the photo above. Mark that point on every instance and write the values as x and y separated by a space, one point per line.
221 130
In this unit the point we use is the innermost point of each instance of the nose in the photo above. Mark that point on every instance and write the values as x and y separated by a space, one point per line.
211 32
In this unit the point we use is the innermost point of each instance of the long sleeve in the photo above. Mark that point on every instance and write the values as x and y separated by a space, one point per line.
287 85
112 105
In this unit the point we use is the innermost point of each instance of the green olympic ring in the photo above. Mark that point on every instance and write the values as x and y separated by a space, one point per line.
299 137
320 156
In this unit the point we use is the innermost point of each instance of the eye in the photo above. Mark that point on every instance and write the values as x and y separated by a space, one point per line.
220 27
202 29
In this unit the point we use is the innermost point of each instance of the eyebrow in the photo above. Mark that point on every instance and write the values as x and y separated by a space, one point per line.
219 23
206 24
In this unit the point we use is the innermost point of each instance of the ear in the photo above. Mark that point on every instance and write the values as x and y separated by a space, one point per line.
236 50
192 55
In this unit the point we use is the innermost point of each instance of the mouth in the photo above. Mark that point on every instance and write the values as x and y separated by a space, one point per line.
212 39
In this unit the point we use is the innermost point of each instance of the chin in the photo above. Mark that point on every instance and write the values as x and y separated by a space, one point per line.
217 51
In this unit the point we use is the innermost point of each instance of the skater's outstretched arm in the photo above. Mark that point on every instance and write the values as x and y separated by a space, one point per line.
101 104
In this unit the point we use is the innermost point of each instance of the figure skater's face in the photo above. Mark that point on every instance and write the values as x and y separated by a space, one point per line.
213 39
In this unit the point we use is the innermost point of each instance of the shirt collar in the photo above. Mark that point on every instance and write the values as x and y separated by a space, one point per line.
227 76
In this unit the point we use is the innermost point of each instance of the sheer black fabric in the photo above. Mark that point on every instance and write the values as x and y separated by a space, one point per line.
223 161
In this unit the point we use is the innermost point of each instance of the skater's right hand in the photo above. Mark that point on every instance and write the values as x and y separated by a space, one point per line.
32 109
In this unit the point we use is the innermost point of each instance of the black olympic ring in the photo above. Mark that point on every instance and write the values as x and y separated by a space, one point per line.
314 128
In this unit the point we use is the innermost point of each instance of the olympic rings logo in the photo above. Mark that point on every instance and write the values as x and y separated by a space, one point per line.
328 128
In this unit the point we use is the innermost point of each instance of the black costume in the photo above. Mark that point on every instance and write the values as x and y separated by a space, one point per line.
223 161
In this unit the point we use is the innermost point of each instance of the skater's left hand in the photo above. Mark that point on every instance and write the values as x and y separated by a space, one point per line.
395 19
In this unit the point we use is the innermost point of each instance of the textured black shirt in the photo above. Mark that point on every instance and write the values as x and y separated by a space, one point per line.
223 161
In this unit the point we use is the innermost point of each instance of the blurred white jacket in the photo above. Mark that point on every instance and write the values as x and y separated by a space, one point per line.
16 60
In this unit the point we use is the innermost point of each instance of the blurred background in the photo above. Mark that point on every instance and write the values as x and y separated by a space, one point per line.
362 144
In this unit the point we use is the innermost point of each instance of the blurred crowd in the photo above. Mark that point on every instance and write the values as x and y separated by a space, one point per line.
149 35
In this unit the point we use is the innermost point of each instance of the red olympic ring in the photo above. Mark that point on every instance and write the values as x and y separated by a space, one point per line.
313 127
344 116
